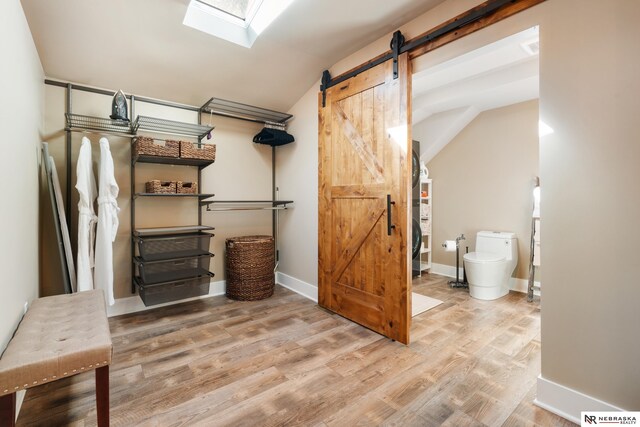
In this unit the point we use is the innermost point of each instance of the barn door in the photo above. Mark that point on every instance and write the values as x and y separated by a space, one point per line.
364 185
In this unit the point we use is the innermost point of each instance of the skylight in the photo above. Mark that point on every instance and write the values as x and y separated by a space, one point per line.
238 8
237 21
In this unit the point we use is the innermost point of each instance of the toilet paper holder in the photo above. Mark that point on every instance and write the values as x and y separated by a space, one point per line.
448 247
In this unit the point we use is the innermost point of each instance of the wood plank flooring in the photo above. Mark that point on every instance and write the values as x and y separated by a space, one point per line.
285 361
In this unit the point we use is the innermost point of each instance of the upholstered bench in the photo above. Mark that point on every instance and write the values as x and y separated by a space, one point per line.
58 337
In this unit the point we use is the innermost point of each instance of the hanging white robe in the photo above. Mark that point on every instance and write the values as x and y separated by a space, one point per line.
107 222
86 186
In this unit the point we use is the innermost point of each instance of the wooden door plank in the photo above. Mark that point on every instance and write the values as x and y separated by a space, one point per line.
398 275
380 137
367 123
357 238
369 307
373 77
359 191
324 204
360 146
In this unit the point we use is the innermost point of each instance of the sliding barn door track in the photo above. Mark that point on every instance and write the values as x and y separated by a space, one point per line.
470 21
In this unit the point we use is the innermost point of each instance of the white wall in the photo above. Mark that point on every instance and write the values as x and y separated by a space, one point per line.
590 204
498 150
242 171
297 176
589 65
21 112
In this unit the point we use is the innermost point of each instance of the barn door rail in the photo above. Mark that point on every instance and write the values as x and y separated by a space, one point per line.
494 9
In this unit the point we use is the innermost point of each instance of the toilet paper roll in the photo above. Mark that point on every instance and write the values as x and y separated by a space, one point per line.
449 245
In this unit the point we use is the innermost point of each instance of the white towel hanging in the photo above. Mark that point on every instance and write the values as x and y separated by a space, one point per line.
107 222
86 186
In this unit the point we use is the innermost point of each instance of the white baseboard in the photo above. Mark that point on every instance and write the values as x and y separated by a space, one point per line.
134 304
298 286
446 270
522 285
518 285
566 402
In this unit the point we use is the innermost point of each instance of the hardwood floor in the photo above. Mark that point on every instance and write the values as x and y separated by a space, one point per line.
285 361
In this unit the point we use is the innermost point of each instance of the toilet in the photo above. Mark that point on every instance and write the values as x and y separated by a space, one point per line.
489 268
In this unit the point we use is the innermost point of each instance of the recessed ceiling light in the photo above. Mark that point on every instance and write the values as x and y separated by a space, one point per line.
237 21
532 47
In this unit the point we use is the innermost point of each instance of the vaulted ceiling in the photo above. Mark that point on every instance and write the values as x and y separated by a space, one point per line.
449 95
142 47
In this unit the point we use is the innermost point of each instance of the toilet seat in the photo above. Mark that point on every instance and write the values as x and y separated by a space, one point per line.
483 257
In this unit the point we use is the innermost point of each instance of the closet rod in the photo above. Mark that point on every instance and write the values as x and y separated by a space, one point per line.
93 132
272 208
111 93
275 202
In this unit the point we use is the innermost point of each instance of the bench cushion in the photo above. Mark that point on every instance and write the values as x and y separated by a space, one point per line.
60 336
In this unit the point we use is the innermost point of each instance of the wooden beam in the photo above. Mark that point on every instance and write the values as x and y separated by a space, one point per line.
505 11
498 15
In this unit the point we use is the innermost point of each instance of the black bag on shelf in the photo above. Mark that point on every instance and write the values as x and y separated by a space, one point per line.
273 137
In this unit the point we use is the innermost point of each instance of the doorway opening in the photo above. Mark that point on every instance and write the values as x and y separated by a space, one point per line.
476 159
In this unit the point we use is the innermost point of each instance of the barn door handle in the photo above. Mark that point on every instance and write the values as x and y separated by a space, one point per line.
389 224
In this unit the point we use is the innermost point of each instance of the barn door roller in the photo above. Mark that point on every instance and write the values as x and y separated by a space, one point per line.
396 44
324 85
397 41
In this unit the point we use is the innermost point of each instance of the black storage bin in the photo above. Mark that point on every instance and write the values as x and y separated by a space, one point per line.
151 272
153 248
160 293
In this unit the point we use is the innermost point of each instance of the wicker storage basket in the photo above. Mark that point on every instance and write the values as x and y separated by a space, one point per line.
161 187
249 265
150 147
187 187
189 150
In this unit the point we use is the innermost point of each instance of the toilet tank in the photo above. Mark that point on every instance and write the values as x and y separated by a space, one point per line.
497 242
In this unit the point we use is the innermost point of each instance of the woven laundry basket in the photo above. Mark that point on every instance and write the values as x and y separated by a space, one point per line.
250 262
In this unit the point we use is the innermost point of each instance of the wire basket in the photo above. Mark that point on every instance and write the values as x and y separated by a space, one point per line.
187 187
161 187
173 246
173 291
151 272
250 261
189 150
145 146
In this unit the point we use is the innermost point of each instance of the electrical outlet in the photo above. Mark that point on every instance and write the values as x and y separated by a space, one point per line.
26 306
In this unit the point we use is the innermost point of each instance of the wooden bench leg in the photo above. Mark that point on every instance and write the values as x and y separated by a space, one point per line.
102 395
8 410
